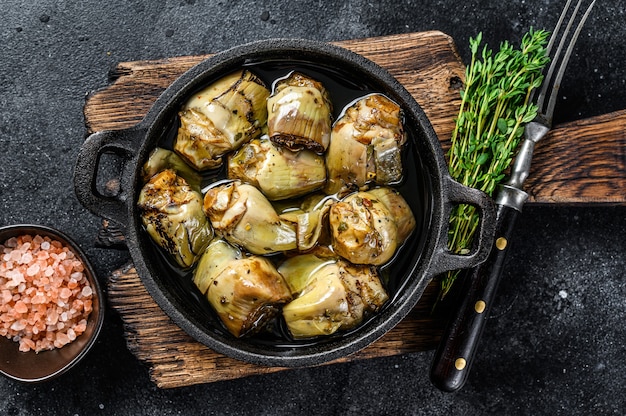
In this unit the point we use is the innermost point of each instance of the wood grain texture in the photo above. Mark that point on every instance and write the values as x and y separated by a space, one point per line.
580 162
175 359
427 64
583 162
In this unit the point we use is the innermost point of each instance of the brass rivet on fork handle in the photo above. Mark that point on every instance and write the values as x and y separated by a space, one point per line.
454 357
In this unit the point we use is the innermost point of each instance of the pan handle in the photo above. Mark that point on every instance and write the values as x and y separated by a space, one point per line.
124 144
461 194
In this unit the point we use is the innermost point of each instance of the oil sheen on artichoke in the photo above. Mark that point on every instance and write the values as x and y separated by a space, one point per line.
291 203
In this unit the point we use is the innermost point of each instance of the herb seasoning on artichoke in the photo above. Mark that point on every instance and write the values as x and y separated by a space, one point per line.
245 291
241 214
366 145
220 118
299 114
171 212
277 171
329 294
494 110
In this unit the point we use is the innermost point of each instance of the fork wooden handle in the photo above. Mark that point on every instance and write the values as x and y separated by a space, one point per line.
457 348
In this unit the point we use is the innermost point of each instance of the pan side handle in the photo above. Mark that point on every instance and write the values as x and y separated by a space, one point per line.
445 259
124 144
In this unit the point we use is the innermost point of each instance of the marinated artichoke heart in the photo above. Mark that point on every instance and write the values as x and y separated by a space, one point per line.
330 294
221 118
245 292
277 171
399 209
363 231
366 145
310 220
299 113
172 214
161 159
241 214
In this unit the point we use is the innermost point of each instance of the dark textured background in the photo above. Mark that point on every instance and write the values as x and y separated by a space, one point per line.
556 341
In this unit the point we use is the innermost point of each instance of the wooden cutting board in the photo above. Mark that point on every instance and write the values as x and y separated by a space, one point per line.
583 162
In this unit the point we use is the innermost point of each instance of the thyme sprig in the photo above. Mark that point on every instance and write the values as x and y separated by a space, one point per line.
494 109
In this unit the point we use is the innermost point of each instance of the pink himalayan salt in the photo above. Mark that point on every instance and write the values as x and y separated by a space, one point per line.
41 280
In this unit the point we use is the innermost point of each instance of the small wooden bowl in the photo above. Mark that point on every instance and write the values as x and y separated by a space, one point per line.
31 367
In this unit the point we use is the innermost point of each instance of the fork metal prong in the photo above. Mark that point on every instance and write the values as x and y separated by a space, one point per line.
539 127
561 37
551 84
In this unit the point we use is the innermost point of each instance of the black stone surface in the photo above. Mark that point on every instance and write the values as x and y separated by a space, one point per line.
556 341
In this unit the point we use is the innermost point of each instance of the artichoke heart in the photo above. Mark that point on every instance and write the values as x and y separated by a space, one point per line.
172 214
366 145
220 118
241 214
161 159
299 113
245 292
399 209
363 230
277 171
329 294
310 220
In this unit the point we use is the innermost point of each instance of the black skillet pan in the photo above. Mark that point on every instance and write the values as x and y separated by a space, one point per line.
427 187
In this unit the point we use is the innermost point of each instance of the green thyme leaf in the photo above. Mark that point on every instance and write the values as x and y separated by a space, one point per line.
490 124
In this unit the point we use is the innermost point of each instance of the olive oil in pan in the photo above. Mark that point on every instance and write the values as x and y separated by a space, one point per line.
415 187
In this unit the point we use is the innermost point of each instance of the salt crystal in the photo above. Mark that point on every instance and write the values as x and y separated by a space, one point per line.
33 269
52 317
18 277
16 255
45 245
21 307
39 298
71 334
26 258
11 284
26 345
18 325
63 338
81 326
87 291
